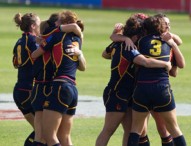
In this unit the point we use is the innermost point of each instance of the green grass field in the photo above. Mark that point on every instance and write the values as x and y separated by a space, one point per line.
84 132
98 27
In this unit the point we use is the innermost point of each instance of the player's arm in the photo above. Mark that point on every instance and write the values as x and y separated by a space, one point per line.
106 55
180 61
174 71
43 47
107 52
73 27
82 61
74 50
151 62
38 52
168 35
176 39
117 36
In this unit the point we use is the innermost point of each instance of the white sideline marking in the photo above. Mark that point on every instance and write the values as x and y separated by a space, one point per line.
88 106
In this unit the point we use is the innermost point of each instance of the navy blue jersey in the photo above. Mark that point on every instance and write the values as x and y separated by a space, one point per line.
22 58
43 64
122 67
152 46
64 65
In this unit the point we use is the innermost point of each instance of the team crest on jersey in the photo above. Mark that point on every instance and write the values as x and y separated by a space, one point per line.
46 103
118 107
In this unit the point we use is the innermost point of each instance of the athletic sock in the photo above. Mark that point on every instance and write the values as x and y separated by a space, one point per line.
133 139
29 140
58 144
167 141
36 143
144 141
179 141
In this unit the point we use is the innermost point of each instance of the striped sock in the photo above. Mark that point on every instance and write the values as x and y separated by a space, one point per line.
167 141
144 141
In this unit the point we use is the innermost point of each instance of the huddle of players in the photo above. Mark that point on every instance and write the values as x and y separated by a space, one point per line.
139 82
47 57
47 69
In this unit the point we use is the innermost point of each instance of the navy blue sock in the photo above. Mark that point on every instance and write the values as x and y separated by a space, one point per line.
167 141
35 143
179 141
58 144
29 140
133 139
144 141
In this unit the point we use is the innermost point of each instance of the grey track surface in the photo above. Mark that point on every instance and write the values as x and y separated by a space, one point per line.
87 106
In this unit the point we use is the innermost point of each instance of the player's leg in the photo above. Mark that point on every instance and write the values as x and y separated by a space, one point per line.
144 140
165 106
138 121
166 138
30 118
22 100
126 124
172 126
64 131
30 139
38 127
112 121
50 124
39 94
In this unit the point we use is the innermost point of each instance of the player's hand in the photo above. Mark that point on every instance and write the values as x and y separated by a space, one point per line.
118 27
38 39
166 36
129 44
168 66
73 50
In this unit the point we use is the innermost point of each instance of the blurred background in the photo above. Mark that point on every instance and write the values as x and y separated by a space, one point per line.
99 17
171 5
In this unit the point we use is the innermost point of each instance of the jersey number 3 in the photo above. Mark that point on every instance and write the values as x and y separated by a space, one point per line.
156 50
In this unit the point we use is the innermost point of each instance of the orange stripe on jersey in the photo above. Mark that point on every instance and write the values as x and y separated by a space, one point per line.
45 36
28 51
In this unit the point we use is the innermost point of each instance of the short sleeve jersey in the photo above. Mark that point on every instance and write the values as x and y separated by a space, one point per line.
43 64
22 57
122 67
64 64
152 46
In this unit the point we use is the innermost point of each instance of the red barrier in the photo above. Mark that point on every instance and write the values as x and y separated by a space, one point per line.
174 5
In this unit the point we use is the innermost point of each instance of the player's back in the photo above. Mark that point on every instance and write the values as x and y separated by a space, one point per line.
22 57
122 68
43 66
65 64
152 46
